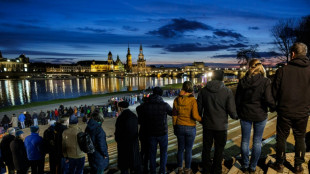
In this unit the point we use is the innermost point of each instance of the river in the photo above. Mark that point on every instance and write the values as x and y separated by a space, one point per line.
23 91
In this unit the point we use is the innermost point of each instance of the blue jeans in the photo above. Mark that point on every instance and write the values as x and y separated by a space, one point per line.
186 136
163 145
258 128
76 166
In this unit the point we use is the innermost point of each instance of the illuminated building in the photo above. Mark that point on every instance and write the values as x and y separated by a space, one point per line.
141 67
107 66
20 64
129 61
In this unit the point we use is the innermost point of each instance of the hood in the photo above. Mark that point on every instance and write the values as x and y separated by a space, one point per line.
302 61
251 81
214 86
182 100
92 124
155 98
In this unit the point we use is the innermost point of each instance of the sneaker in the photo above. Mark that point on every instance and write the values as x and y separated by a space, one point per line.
245 170
277 167
180 170
299 169
251 171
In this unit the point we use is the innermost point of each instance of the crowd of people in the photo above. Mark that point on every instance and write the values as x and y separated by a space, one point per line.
67 145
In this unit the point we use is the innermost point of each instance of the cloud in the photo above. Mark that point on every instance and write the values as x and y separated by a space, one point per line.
177 27
228 33
95 30
128 28
266 55
44 53
156 46
189 47
253 28
20 26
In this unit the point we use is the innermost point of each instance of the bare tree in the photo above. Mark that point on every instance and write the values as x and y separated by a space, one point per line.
245 55
284 33
303 31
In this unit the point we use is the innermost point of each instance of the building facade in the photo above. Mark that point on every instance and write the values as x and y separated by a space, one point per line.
20 64
107 66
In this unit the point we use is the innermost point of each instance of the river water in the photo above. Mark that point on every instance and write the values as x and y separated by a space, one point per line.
19 92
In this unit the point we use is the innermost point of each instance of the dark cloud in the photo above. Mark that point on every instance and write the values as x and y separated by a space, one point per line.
189 47
55 60
266 55
95 30
253 28
156 46
129 28
177 27
20 26
228 33
43 53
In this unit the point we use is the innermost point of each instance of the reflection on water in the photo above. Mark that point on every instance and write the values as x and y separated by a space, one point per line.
19 92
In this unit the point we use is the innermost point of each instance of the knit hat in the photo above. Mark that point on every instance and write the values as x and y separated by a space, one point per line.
34 129
11 130
73 120
123 104
18 133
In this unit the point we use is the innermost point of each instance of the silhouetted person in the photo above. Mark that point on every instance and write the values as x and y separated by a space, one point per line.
126 136
19 153
291 90
6 150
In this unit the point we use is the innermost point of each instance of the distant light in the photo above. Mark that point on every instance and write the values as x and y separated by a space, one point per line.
210 74
8 60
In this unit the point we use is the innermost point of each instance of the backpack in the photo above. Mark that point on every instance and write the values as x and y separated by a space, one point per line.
85 142
49 137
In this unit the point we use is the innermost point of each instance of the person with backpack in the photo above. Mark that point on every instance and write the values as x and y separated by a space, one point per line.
126 136
35 151
75 157
99 160
49 137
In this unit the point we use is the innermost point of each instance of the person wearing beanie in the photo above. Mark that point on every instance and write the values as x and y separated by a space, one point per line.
19 153
99 160
75 157
126 136
35 152
49 145
6 151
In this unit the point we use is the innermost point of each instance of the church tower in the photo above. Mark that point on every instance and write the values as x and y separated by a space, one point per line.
141 60
110 61
129 61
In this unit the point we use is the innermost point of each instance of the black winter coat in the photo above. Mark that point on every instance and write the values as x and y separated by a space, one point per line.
6 150
19 154
153 114
215 102
100 158
291 88
59 128
5 120
126 136
253 96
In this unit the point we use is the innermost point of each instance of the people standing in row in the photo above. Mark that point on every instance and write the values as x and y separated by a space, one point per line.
99 160
291 90
185 114
126 136
75 157
253 97
215 103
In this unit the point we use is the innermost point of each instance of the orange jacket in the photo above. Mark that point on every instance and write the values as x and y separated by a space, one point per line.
185 110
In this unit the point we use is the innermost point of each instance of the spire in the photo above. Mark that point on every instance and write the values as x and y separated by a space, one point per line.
128 52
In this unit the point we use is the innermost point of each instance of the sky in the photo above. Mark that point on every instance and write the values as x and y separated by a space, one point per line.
171 32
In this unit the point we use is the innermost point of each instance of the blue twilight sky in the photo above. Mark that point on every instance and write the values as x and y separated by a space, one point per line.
171 32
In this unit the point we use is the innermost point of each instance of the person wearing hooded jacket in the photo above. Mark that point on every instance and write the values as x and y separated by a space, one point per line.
185 114
99 160
291 90
215 102
253 96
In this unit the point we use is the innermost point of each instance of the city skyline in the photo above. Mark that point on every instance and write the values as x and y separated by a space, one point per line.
173 32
